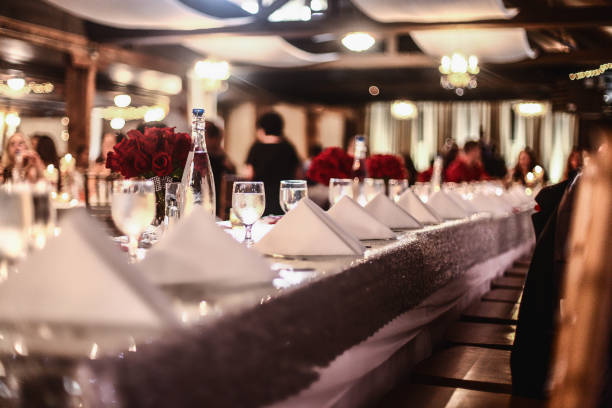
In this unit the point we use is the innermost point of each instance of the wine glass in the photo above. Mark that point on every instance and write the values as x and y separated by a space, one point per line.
248 203
291 192
397 188
339 188
371 187
133 210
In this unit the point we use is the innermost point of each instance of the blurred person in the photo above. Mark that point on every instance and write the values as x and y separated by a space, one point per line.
313 151
493 163
18 159
34 141
108 142
574 164
48 154
467 166
272 158
219 162
449 153
525 164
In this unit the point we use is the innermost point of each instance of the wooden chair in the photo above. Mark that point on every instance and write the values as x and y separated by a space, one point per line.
492 312
505 282
499 336
503 295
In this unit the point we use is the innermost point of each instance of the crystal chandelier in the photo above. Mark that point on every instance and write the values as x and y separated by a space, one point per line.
458 72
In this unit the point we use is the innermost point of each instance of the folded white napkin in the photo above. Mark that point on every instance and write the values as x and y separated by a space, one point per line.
386 211
308 230
491 203
356 220
198 250
411 203
82 278
445 206
465 205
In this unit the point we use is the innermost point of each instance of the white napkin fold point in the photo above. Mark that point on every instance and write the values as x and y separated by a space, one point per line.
386 211
356 220
412 204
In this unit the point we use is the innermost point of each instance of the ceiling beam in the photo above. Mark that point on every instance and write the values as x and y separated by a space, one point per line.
82 51
545 18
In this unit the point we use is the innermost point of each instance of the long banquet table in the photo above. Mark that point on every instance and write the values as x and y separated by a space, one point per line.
328 340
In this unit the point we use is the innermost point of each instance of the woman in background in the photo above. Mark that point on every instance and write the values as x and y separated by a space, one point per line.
525 164
272 158
19 161
45 147
573 165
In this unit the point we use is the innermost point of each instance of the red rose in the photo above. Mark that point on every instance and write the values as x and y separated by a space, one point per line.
112 162
182 146
333 162
162 164
142 162
386 166
149 142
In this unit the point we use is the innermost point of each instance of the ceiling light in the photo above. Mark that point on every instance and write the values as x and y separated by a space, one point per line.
529 109
403 110
318 5
117 123
458 72
12 119
16 84
358 41
212 70
123 100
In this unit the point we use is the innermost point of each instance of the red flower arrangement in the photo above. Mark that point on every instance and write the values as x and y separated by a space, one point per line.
333 162
158 152
386 166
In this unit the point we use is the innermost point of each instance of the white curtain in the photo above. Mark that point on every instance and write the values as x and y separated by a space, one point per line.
551 135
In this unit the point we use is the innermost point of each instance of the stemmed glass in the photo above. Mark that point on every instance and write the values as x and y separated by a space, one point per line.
339 188
133 210
248 203
291 192
397 188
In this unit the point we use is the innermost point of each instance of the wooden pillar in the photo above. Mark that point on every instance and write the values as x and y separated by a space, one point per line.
80 92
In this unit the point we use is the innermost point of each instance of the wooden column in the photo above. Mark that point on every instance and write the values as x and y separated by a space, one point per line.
80 92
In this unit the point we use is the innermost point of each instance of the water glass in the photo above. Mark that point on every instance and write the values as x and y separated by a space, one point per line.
371 187
397 188
248 203
339 188
133 210
15 224
174 195
291 192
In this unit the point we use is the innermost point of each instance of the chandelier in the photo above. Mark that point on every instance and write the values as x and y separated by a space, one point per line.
458 72
18 87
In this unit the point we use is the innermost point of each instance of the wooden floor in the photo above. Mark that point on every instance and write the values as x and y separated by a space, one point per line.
472 370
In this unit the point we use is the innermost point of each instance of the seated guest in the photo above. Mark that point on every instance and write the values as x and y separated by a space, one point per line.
219 162
272 158
574 164
45 147
525 163
449 153
493 163
466 166
108 142
19 161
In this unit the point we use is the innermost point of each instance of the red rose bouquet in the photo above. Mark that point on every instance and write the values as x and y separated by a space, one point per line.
386 166
158 152
333 162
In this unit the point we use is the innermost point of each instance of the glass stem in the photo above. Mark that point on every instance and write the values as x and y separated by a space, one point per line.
132 248
248 239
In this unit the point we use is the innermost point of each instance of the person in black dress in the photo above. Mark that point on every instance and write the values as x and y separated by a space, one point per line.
272 158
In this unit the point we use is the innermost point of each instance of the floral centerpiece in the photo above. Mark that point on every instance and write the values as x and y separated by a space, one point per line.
386 166
158 154
333 162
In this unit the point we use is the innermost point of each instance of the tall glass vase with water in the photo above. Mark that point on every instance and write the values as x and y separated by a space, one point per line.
197 181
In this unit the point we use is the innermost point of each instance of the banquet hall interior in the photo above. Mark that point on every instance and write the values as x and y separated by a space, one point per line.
305 203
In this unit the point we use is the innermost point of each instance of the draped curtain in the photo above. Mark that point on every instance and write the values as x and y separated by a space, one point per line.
551 136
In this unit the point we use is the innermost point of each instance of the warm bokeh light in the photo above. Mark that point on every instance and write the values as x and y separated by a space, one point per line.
117 123
122 100
212 70
154 114
403 110
529 108
12 119
373 90
358 41
16 84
